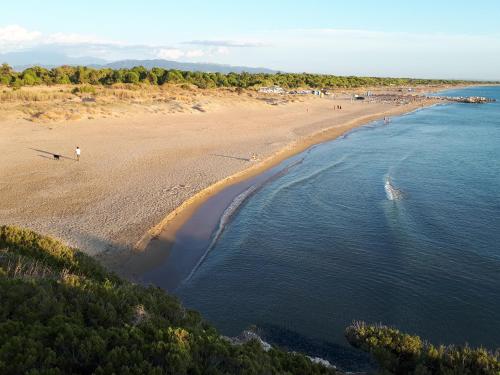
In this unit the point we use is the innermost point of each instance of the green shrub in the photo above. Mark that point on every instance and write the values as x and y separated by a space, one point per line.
86 89
52 252
399 353
131 77
29 79
87 321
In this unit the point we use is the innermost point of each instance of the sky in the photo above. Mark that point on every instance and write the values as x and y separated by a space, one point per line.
427 39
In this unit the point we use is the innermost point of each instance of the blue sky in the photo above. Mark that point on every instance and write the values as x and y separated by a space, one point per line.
448 39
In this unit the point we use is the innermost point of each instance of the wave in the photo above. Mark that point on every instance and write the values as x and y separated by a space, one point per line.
224 220
392 192
233 207
302 180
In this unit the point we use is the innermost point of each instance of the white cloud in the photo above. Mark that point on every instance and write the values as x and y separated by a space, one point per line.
222 50
227 43
194 53
175 53
61 38
170 53
337 51
15 34
15 37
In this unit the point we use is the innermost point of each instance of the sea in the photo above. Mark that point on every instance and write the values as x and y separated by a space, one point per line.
396 222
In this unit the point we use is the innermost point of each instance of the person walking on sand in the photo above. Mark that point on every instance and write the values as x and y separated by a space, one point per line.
77 152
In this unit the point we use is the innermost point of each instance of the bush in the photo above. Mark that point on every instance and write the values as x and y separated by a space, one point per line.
131 77
86 89
29 79
399 353
80 319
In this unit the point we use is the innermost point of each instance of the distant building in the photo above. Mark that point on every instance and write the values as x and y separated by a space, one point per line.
272 90
300 92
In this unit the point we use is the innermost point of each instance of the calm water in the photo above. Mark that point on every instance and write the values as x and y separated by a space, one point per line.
396 223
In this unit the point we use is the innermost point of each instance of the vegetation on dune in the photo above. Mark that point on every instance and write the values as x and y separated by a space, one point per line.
399 353
62 313
159 76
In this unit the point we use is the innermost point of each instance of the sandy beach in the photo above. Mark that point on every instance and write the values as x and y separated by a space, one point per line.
142 172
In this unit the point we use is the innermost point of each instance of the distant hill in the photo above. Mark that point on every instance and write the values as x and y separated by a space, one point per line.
167 64
50 59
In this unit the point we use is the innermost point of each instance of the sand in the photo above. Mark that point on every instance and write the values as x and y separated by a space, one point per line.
143 172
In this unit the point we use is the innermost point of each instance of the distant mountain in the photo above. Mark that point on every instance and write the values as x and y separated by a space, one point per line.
50 58
201 67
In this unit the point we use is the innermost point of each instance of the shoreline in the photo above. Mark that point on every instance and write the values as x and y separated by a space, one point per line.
157 243
163 166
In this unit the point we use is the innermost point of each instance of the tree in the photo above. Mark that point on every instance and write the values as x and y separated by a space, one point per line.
6 74
6 69
152 78
161 75
80 75
158 76
117 76
174 76
131 77
29 79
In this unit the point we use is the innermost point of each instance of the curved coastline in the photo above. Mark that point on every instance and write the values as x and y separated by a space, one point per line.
182 212
155 245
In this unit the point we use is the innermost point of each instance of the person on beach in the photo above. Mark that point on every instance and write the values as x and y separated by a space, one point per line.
77 152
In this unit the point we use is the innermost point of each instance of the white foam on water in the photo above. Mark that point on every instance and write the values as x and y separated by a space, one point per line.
232 209
392 193
224 220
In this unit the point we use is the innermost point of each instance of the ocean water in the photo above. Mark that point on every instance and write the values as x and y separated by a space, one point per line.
396 223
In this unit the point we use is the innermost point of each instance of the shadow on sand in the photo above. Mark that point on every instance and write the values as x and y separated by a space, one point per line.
55 155
230 157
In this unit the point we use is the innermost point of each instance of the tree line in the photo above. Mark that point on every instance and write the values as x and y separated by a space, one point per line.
76 75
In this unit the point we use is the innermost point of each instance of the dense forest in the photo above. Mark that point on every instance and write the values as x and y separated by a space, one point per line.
62 313
159 76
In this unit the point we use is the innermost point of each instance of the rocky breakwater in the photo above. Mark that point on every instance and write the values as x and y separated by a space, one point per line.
468 99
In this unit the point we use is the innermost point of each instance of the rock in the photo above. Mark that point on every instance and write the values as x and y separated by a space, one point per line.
322 362
247 336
